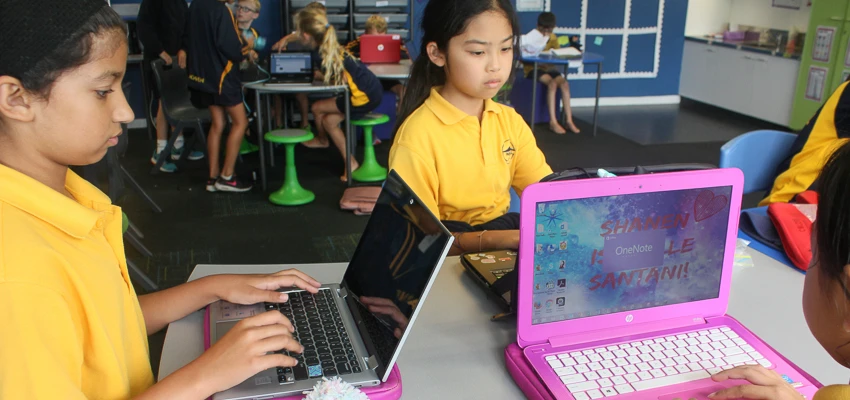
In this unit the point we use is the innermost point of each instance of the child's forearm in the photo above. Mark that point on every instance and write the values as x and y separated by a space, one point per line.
185 383
166 306
283 42
484 241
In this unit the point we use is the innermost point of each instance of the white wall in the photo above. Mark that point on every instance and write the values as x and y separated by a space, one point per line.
709 16
762 13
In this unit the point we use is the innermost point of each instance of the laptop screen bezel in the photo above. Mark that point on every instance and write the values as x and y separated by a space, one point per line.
528 333
290 74
384 369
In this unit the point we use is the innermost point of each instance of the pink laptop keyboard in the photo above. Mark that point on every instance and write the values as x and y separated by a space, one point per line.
652 363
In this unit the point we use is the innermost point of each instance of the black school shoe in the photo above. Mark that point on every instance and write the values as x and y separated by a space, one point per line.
234 185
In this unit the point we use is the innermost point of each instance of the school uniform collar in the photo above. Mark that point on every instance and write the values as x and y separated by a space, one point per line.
76 218
448 113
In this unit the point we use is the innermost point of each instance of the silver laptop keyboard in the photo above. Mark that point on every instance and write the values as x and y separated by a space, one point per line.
652 363
319 328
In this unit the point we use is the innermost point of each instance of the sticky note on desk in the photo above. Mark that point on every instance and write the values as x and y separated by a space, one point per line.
597 40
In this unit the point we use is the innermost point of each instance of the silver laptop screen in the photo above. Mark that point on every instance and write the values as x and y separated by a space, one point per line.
401 249
604 255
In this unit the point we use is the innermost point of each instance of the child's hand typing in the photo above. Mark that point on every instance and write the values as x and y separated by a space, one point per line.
252 289
246 350
765 384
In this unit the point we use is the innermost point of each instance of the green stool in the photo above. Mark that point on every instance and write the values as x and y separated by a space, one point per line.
247 147
291 193
370 170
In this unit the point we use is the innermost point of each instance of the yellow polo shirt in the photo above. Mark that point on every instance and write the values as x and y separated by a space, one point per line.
834 392
70 323
461 168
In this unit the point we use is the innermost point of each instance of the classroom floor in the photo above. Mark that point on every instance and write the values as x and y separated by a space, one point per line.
687 122
197 227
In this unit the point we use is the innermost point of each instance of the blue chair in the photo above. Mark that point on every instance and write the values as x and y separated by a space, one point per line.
514 202
413 50
757 154
521 98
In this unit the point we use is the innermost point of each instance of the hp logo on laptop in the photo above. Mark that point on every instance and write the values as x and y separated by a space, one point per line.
630 318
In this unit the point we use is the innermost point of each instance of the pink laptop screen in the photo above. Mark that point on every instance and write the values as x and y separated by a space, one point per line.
603 255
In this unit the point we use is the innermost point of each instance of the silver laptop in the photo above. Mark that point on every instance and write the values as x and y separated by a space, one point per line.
291 68
396 261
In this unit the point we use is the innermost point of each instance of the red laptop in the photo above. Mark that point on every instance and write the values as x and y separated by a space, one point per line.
380 49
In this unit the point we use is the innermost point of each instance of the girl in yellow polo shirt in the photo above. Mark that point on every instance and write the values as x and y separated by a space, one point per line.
72 326
826 298
458 150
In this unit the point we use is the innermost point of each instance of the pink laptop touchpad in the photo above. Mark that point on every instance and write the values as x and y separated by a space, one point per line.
693 394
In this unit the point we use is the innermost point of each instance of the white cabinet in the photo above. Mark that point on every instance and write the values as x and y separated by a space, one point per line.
759 85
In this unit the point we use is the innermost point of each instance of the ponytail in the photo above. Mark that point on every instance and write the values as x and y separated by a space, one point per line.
314 22
424 75
332 56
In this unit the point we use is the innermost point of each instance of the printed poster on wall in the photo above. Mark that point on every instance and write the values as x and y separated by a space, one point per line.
823 43
531 5
815 83
847 56
792 4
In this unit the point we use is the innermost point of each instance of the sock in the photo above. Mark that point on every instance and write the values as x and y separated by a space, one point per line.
227 178
178 143
160 145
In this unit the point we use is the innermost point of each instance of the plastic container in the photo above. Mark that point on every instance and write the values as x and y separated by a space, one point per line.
394 21
339 21
342 37
738 36
331 5
379 6
404 33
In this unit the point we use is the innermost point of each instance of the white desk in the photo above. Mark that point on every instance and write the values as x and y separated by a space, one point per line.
400 71
454 348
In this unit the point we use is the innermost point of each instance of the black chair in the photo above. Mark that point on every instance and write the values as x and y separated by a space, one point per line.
173 85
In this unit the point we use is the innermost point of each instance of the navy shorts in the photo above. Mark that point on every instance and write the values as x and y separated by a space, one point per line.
543 72
230 96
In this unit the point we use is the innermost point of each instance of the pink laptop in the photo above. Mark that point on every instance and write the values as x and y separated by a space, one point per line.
624 284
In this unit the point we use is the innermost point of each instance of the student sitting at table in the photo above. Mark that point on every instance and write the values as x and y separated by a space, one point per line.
826 299
290 42
338 68
72 325
377 25
539 40
827 129
460 151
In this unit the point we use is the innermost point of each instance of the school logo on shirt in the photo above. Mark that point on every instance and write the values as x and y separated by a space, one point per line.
508 151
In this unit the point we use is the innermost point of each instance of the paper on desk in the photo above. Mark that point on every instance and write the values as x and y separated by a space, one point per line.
566 52
532 43
570 53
